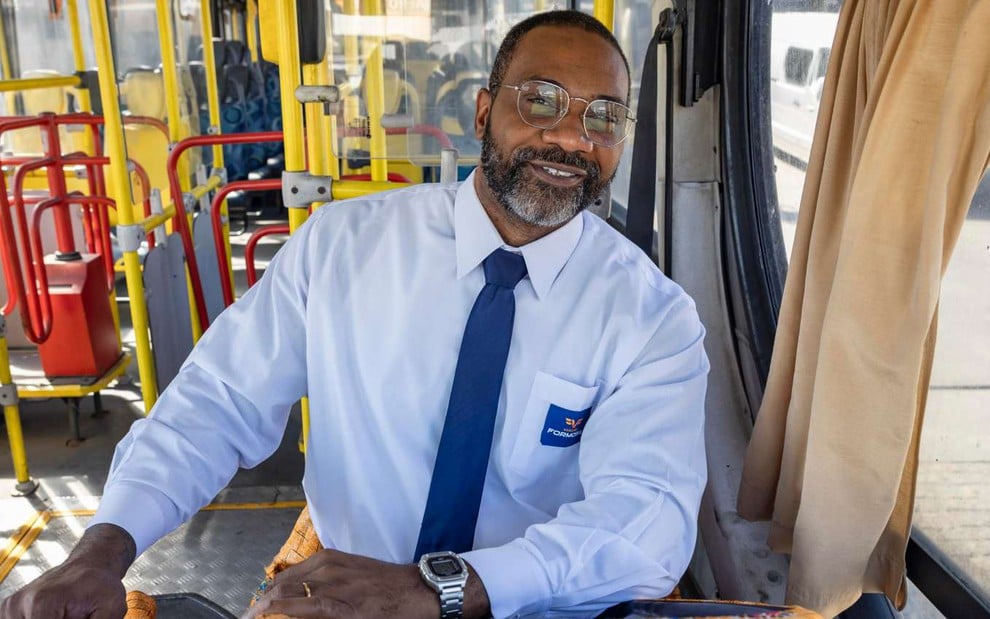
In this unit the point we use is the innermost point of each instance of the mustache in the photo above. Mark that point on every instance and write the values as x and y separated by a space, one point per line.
556 154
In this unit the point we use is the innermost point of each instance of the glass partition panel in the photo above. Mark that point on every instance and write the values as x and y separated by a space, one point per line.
425 62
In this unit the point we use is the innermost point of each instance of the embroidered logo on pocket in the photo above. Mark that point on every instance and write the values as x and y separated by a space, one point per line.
563 427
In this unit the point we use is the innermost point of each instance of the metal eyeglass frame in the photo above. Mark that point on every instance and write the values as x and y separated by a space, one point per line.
567 106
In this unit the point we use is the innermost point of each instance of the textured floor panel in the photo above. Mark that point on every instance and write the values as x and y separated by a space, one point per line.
220 555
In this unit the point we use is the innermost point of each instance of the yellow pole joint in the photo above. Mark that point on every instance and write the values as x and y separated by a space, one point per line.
35 83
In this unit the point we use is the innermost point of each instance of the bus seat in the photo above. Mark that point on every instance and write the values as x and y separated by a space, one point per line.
143 91
36 101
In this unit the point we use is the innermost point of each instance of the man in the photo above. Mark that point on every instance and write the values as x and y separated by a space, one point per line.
592 463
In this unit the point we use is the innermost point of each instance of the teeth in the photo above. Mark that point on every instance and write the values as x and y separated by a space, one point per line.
556 172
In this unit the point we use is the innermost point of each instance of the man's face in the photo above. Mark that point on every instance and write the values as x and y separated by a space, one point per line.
544 177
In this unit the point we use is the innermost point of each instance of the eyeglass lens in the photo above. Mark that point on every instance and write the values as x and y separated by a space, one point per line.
542 104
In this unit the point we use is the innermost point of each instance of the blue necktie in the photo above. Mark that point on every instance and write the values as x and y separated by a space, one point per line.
465 445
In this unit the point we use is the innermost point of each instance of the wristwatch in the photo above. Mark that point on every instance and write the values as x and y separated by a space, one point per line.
445 573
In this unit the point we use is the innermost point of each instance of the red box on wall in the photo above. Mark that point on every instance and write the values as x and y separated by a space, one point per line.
83 341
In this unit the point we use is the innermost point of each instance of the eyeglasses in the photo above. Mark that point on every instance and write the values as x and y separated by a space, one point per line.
543 105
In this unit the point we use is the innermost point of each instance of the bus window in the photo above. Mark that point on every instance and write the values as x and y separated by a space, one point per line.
952 495
952 502
39 39
634 21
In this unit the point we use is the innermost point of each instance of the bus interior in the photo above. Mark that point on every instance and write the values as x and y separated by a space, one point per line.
173 170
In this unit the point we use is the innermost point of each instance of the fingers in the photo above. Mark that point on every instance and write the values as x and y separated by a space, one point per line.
301 600
315 607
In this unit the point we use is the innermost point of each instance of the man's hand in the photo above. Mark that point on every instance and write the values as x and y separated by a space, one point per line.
87 586
334 584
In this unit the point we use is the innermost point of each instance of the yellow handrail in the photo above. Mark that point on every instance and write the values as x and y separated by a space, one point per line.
251 25
604 11
210 64
289 79
34 83
341 190
375 93
120 191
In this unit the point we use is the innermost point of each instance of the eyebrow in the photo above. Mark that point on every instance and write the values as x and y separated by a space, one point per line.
592 98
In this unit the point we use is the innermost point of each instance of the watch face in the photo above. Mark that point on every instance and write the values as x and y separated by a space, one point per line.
445 567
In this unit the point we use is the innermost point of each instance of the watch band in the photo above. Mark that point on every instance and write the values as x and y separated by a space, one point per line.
451 601
449 586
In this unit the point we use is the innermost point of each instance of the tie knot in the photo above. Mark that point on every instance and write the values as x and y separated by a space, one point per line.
504 268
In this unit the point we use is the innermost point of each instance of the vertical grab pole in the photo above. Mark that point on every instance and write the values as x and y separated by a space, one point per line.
213 105
292 128
166 41
289 80
79 57
251 25
210 64
4 54
212 90
604 11
120 191
375 92
12 416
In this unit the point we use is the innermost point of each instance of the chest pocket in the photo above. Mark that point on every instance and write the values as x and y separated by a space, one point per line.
545 454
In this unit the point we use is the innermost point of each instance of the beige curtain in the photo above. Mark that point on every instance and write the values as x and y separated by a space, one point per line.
903 139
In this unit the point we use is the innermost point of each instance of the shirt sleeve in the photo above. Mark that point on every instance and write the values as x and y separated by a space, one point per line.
227 407
643 471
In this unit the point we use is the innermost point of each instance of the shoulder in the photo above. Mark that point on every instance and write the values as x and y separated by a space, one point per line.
626 272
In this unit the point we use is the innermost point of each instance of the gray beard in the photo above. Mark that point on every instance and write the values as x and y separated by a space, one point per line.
529 200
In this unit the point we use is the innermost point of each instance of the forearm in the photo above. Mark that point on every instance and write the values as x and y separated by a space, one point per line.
107 545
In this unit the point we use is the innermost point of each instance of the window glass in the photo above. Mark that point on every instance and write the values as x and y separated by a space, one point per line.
796 65
38 39
952 504
634 21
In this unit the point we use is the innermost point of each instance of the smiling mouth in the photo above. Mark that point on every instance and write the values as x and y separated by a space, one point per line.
557 174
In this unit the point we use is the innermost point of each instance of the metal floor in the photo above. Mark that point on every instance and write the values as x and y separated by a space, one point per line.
220 554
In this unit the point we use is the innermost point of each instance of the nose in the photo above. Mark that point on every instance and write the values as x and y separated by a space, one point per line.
569 132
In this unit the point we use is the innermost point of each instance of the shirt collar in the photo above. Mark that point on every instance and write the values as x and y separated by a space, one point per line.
475 238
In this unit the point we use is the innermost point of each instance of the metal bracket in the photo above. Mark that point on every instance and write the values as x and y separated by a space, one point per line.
329 96
448 165
3 326
8 395
300 189
188 201
221 172
130 237
157 208
398 121
213 130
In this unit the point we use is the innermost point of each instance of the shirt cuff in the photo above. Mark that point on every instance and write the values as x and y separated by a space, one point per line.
513 577
145 513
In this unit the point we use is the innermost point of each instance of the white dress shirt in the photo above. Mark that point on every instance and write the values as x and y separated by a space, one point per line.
363 311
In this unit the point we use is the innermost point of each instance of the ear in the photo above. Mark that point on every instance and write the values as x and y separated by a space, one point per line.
482 110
